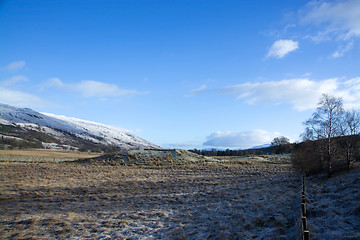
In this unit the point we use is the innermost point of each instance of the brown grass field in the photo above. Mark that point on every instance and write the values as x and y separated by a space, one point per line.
255 197
43 155
67 200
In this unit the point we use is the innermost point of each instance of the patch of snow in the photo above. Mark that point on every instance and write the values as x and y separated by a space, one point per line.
58 146
51 131
11 137
4 122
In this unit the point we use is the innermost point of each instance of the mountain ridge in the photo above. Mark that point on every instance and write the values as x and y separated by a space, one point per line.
69 131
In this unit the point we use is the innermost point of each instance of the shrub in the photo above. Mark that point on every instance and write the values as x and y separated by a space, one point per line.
307 157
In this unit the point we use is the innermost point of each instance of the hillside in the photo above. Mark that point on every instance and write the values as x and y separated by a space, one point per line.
24 127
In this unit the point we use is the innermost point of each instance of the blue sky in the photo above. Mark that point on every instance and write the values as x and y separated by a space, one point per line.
182 74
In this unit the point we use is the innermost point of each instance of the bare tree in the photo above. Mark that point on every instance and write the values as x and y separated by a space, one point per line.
331 139
281 144
280 141
351 131
325 125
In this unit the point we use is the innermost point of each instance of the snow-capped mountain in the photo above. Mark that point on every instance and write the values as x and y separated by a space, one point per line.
70 131
261 146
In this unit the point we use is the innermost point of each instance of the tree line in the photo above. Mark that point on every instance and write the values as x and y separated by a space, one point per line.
273 149
331 140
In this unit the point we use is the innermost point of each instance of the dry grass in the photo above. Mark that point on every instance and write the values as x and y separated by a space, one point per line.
231 198
333 205
223 201
43 155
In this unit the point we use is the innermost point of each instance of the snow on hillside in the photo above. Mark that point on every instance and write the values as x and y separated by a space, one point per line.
60 125
26 117
108 134
261 146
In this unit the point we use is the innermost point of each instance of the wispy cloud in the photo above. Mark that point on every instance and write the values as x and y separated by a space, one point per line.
13 80
301 93
91 88
17 65
281 48
196 91
20 99
342 50
246 139
338 20
100 89
350 92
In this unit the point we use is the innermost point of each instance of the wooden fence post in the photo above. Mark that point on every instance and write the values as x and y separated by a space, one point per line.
305 231
304 223
306 235
303 207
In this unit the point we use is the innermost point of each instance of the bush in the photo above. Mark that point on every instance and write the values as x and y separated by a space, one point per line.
307 157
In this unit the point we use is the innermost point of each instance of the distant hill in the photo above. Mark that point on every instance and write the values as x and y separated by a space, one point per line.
24 127
258 150
261 146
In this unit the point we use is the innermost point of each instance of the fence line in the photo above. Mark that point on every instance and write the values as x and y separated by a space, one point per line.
305 230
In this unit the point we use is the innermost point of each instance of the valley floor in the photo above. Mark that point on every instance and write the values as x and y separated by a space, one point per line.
43 155
71 200
334 205
233 200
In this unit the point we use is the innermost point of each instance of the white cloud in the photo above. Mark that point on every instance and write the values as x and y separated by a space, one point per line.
342 50
13 66
55 82
301 93
20 99
350 92
338 20
196 91
100 89
13 80
243 140
91 88
281 47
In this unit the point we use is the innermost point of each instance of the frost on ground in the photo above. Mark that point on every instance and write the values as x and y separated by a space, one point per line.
234 200
334 205
151 157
